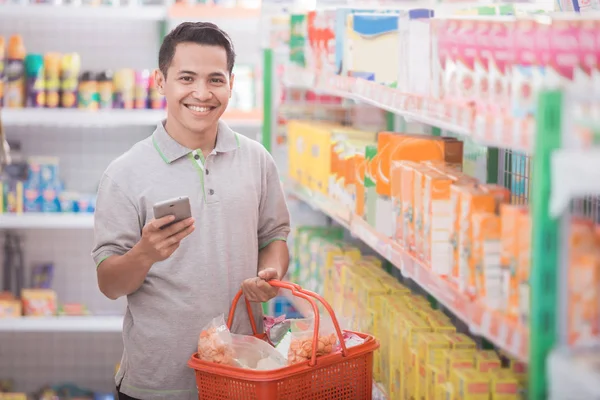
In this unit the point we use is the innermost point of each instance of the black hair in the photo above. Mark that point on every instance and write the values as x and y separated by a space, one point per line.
203 33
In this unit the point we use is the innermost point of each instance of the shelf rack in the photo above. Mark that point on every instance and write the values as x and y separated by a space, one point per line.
63 324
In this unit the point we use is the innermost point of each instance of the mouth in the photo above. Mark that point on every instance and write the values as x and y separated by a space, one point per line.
199 110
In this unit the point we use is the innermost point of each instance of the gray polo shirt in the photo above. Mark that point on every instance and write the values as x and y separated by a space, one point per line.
239 207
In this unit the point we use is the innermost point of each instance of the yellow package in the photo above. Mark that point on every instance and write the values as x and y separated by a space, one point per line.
39 302
431 348
472 385
13 396
436 377
445 391
460 341
458 359
504 385
412 327
487 360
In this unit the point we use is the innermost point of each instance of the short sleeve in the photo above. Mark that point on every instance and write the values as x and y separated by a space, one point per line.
117 225
274 216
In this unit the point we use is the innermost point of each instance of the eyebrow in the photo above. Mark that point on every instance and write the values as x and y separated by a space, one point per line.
211 75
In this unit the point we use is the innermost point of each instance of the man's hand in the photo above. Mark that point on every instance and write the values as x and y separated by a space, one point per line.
257 289
158 244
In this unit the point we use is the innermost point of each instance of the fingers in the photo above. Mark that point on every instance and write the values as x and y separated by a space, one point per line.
257 290
178 237
177 227
268 273
156 224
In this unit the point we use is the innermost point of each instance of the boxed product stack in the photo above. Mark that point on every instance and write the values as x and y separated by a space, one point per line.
421 354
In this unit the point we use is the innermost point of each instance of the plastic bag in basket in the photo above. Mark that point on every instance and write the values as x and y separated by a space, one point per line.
253 353
214 343
301 343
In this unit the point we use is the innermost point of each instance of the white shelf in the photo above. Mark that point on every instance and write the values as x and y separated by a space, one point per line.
46 221
62 324
107 118
75 117
48 11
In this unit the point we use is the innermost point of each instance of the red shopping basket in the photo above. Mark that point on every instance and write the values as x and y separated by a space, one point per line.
344 375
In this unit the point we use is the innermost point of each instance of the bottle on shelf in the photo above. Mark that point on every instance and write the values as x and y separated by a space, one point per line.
70 66
35 95
87 94
52 63
2 57
15 73
105 90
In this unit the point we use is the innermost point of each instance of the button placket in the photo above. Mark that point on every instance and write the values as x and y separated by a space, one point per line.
211 193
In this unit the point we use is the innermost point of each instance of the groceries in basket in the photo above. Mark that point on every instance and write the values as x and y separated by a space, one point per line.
218 345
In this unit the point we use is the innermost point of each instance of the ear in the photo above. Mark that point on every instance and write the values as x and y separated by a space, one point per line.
160 80
231 79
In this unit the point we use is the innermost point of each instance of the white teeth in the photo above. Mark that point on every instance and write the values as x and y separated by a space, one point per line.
199 109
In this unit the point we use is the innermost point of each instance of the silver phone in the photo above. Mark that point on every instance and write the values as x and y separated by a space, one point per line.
179 207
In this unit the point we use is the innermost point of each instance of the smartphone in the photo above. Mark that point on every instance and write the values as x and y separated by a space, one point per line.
179 207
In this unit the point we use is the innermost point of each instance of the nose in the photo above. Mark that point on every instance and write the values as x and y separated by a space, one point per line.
202 92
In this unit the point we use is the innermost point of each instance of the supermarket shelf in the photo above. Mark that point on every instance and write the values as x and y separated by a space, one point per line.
188 12
76 118
454 117
49 11
46 221
506 334
110 118
320 202
62 324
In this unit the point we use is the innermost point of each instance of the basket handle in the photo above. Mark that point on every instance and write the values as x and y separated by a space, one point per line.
298 292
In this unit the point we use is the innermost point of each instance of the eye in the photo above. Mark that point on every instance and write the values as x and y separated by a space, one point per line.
186 78
217 80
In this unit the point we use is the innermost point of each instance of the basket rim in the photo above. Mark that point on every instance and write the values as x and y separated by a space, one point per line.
369 346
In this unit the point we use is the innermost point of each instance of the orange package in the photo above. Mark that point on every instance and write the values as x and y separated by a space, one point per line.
396 190
472 200
416 244
418 148
437 222
360 169
524 264
509 255
486 265
407 189
500 193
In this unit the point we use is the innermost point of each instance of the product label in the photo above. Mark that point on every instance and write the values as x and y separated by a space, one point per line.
565 49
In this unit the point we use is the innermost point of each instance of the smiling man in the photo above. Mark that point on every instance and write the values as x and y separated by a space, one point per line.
178 279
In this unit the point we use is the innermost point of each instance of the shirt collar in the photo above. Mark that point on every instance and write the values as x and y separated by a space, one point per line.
170 150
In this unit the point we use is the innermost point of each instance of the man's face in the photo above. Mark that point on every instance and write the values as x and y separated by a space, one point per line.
197 87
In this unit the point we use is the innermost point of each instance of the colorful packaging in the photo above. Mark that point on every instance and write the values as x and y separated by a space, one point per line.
105 90
34 73
487 269
70 67
87 93
52 68
15 73
509 215
39 302
142 85
487 360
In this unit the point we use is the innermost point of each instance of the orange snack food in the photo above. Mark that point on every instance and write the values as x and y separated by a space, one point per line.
301 348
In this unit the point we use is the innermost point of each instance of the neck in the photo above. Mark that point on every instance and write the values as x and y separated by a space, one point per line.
204 140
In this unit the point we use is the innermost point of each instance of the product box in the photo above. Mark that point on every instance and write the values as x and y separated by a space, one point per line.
396 199
459 359
509 244
437 222
39 302
460 341
419 52
298 41
487 360
370 192
369 37
584 297
10 308
321 38
431 349
435 377
487 269
504 385
472 201
471 385
524 264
